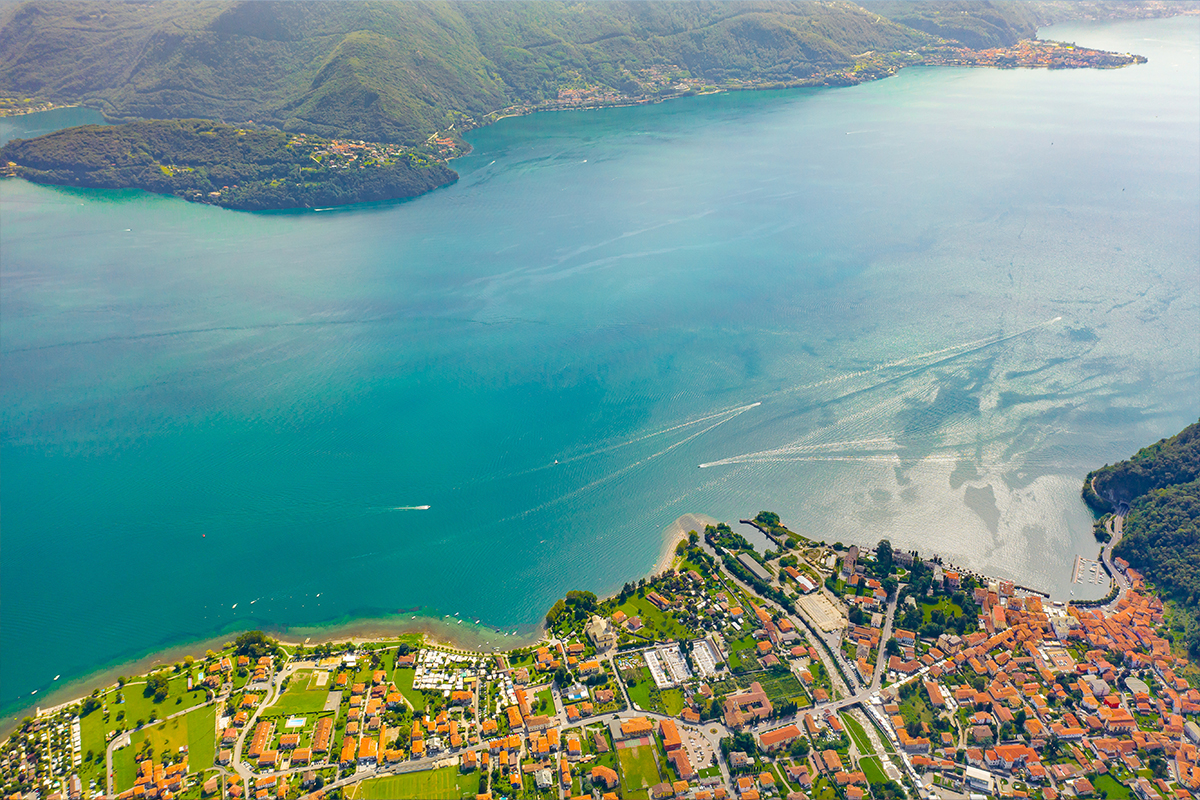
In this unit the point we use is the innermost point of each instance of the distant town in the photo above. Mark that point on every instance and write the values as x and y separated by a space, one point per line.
666 81
810 670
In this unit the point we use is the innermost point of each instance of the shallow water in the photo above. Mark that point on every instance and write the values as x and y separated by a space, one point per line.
920 308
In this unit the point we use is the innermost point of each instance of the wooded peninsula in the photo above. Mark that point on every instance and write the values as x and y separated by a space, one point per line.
232 167
375 77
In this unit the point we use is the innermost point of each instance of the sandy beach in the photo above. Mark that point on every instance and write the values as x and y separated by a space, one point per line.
443 631
675 533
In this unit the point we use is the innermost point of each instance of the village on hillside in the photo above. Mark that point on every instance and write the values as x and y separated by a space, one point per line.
808 671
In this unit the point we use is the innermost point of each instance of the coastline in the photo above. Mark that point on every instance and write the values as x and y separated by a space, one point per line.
675 533
440 631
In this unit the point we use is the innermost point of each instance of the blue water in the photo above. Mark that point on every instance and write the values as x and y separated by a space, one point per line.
951 293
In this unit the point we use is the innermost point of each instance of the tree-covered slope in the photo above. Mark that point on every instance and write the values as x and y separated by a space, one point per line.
223 165
1161 485
1168 462
397 71
975 23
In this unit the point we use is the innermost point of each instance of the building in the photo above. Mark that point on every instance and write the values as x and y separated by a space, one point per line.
747 706
601 633
780 737
978 779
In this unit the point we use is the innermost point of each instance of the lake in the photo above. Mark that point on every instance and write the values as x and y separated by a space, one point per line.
921 309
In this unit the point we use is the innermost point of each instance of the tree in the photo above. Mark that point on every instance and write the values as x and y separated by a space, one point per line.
157 686
582 599
883 555
892 647
693 538
255 645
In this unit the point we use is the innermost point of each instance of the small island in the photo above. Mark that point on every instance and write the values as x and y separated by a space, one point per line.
241 168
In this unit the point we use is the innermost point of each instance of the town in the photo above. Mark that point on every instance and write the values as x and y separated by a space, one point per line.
805 671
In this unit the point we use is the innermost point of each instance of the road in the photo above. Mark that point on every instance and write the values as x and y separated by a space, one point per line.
124 739
1116 528
712 731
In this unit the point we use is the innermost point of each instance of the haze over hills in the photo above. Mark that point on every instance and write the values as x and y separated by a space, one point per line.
400 71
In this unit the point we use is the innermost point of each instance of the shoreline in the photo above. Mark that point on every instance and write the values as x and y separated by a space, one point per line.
440 631
675 533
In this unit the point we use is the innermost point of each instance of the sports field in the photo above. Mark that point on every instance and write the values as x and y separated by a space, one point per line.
303 696
446 783
639 771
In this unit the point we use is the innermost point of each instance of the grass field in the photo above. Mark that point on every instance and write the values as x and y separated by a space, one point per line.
1106 785
873 769
639 771
404 682
202 738
948 608
782 687
544 696
657 623
195 730
300 698
861 741
672 701
915 708
436 784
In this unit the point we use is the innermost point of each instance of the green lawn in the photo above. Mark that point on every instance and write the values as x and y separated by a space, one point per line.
657 624
672 701
202 738
824 790
300 698
648 697
639 693
915 708
948 608
544 696
855 729
639 771
446 783
873 769
404 682
1106 785
195 730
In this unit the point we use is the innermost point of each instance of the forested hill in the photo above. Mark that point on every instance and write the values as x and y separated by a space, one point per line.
1165 463
1161 484
219 164
390 71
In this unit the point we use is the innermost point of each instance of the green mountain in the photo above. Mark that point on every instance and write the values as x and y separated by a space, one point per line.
1161 486
398 71
219 164
1165 463
975 23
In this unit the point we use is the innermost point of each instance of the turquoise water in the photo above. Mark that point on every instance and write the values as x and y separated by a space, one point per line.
31 125
950 293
